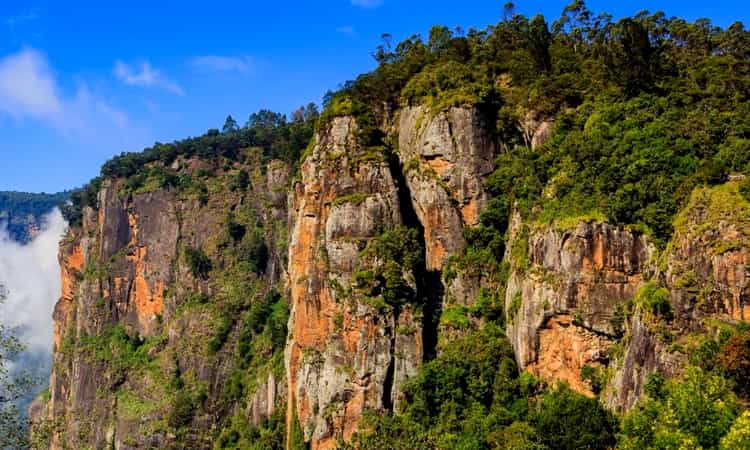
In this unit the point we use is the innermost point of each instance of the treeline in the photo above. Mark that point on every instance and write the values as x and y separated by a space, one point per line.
25 204
278 136
20 210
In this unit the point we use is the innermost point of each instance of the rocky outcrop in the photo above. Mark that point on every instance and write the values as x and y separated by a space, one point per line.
345 356
446 157
704 268
130 338
341 357
536 129
645 354
708 258
565 293
158 341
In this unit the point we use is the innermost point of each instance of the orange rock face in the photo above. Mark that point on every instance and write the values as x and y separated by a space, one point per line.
564 349
340 348
709 257
71 266
453 153
72 262
585 273
148 301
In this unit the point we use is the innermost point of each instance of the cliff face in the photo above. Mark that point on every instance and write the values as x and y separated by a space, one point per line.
347 355
340 350
577 299
172 327
445 157
704 269
565 292
131 361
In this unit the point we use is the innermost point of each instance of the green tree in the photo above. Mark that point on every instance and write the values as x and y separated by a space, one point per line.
540 40
569 420
230 125
697 410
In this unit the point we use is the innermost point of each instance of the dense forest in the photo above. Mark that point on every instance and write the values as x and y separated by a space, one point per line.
21 210
645 109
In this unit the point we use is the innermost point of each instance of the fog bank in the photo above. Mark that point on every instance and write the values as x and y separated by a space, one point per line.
30 275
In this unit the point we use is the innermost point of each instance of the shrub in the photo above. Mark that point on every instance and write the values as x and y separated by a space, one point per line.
199 263
182 410
235 230
739 435
594 375
254 251
654 301
693 412
734 358
394 255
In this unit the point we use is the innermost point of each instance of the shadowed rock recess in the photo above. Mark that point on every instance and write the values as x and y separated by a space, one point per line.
473 251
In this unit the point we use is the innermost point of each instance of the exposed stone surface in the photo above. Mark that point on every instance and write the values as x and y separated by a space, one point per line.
709 258
564 349
705 270
564 290
124 268
446 157
644 354
567 302
341 349
536 129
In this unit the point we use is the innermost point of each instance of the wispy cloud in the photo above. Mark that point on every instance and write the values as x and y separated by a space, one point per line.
367 3
27 86
347 30
213 63
144 75
30 91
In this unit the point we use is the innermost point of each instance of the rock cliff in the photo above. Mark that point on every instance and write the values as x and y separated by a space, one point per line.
566 294
147 282
347 353
172 327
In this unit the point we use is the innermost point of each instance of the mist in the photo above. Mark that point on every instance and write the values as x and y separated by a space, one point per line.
30 275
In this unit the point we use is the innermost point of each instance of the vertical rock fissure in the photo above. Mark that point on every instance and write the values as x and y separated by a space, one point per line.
390 373
429 282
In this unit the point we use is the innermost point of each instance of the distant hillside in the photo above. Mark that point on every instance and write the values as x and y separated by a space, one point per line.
22 212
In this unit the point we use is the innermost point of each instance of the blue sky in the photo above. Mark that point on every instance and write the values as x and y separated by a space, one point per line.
81 81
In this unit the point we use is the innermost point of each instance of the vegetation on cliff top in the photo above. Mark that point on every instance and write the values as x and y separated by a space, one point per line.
644 109
277 137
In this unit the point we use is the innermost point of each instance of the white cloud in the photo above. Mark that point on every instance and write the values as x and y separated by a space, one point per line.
347 30
145 76
28 87
214 63
29 90
367 3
